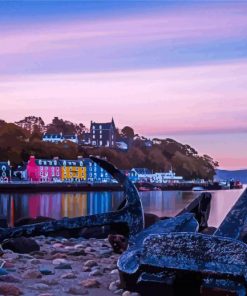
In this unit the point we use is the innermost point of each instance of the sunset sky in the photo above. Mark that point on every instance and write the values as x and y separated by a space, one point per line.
174 69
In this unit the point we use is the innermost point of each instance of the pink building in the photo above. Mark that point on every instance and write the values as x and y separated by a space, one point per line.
41 170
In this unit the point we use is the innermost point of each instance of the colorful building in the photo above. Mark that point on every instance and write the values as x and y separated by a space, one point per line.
73 170
95 173
42 170
5 172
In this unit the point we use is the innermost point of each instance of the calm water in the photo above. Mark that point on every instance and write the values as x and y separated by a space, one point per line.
73 204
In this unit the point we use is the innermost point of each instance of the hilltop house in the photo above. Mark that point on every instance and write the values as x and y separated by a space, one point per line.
5 172
103 134
59 138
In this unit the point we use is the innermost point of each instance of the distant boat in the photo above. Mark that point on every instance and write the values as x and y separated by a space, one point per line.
198 188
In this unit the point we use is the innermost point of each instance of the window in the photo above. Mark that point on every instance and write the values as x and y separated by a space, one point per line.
93 127
100 142
100 136
93 136
93 131
100 127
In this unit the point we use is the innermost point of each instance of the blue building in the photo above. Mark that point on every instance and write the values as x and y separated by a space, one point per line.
95 173
5 172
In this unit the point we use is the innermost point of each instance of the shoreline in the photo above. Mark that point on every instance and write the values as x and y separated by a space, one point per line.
86 187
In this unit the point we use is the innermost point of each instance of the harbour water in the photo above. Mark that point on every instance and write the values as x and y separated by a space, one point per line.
74 204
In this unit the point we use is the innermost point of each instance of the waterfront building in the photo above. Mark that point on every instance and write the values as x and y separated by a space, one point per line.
5 172
95 173
59 138
103 134
73 170
141 175
167 177
21 173
43 170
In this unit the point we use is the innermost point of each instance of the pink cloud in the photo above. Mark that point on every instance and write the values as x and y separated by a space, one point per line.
162 101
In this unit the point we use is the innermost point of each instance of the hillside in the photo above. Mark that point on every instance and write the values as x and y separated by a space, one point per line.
18 142
240 175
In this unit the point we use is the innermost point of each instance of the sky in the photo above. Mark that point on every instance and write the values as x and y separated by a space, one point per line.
174 69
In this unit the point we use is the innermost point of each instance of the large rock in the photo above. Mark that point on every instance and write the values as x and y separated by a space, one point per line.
21 245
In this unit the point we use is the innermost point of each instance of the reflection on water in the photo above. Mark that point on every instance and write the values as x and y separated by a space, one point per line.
74 204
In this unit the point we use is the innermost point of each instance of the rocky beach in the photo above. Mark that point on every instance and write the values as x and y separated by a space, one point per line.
74 266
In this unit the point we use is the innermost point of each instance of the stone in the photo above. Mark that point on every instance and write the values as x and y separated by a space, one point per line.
31 274
63 266
59 261
77 291
40 286
58 245
10 256
3 271
59 256
90 283
50 281
77 253
95 272
69 275
9 290
9 278
46 294
21 245
118 292
114 286
114 271
46 271
34 261
90 263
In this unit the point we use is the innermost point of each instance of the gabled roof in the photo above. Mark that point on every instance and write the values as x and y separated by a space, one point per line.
52 136
104 125
47 162
76 162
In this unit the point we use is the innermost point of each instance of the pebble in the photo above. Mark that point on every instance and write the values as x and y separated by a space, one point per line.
114 271
50 281
113 286
7 289
63 266
77 291
46 271
9 279
69 275
46 294
39 286
59 261
90 283
57 245
95 272
31 274
34 261
3 271
90 263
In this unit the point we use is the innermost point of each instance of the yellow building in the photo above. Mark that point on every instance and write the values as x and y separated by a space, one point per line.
73 170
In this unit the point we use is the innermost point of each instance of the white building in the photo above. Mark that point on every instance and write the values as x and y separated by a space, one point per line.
59 138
